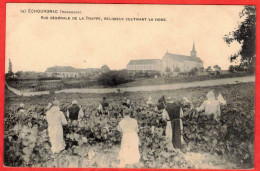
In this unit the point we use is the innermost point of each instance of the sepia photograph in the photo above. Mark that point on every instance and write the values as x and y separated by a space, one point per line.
129 86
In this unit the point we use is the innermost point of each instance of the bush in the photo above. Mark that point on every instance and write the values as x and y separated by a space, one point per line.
114 78
49 78
177 69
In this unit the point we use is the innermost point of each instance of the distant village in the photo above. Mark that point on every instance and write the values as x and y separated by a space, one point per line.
170 64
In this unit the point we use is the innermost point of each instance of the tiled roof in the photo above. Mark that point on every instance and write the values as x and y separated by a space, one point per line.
182 57
69 69
145 62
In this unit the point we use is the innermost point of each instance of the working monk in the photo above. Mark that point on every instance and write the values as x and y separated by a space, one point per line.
172 113
74 112
56 120
211 106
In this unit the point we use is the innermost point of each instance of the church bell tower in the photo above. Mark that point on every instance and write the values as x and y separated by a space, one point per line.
193 53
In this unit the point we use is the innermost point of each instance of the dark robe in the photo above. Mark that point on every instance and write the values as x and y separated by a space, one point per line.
174 112
104 104
74 112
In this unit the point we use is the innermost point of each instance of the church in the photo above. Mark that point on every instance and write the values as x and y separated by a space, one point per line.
181 63
169 63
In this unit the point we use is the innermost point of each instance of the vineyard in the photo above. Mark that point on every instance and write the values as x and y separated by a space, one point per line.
94 141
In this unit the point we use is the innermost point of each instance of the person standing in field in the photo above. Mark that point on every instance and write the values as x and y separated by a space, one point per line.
56 120
20 108
126 102
172 114
74 112
103 106
211 106
129 150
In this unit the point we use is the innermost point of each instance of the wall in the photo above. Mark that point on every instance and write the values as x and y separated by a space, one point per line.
149 67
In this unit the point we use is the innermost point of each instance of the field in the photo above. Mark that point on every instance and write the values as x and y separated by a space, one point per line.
58 84
179 79
95 142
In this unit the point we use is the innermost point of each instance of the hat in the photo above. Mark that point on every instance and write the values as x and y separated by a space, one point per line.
126 111
74 102
160 106
162 99
21 105
56 103
210 95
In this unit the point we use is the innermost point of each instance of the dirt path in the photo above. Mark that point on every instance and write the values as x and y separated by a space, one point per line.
206 83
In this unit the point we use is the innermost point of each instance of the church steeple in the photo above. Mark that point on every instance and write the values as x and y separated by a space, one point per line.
193 53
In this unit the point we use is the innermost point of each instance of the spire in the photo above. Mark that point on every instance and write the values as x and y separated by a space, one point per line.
193 47
193 53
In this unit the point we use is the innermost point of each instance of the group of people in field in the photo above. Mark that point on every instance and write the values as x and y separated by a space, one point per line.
172 113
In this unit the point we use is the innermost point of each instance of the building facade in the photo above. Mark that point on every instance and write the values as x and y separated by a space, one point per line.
145 65
169 63
70 72
181 63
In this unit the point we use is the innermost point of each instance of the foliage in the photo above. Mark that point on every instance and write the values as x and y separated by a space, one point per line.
176 69
245 35
113 78
19 73
201 69
193 71
217 68
232 138
167 69
209 69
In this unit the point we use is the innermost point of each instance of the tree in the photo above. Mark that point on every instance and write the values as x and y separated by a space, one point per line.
114 78
245 35
19 73
231 68
201 69
177 69
217 68
167 69
209 69
193 71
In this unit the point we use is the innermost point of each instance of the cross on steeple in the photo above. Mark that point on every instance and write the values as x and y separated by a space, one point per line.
193 53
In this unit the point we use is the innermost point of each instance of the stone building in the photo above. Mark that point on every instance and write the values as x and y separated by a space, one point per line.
69 72
181 63
145 65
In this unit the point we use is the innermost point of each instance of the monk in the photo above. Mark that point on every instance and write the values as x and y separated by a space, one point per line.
56 120
172 114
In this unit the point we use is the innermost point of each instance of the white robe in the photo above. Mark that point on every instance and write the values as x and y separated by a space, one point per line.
211 106
150 101
129 151
56 119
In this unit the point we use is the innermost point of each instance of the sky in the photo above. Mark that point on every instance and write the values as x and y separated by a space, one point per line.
34 44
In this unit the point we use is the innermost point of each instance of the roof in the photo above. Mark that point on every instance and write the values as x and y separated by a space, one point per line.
69 69
182 57
105 67
145 62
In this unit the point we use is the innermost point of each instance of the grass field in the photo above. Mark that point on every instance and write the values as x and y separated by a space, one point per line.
42 85
178 79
